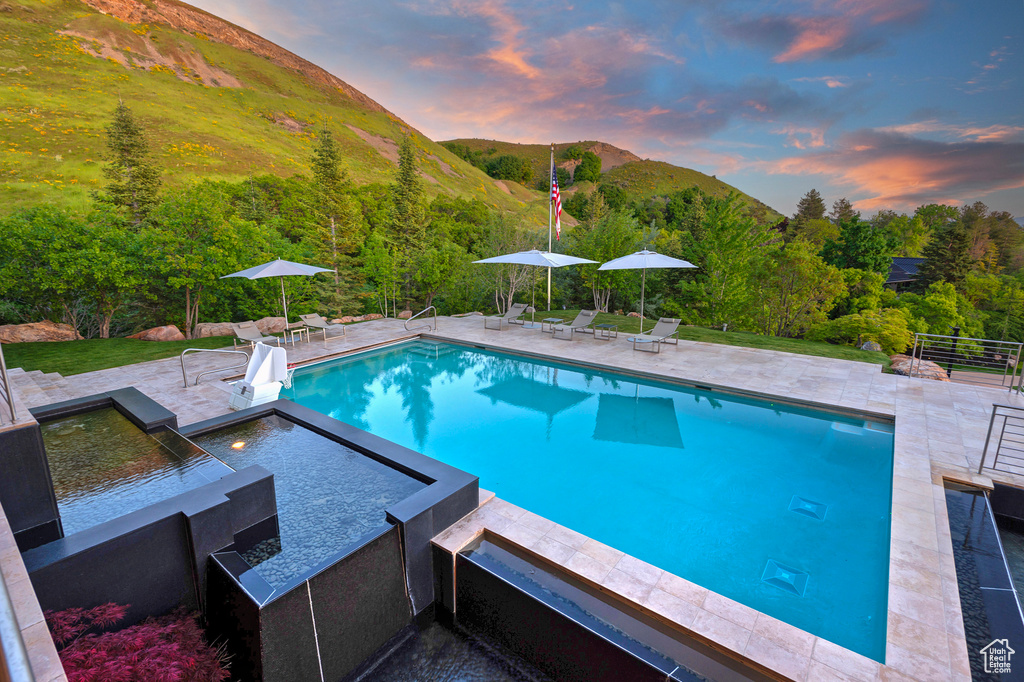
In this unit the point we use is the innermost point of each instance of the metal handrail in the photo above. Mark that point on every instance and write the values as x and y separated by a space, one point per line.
14 662
946 350
1009 443
184 376
5 389
426 326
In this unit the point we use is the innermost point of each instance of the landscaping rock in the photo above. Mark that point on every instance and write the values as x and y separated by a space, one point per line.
871 345
207 329
166 333
924 369
374 316
405 315
469 314
336 320
345 319
38 331
271 325
633 315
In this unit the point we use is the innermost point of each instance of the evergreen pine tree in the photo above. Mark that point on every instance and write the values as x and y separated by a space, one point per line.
811 207
409 216
947 258
842 212
133 182
337 231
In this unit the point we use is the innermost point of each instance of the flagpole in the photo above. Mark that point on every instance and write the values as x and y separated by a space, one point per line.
551 172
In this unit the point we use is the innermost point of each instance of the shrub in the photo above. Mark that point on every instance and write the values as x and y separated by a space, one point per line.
170 648
887 327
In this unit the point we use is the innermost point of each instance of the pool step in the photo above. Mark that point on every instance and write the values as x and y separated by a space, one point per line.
36 388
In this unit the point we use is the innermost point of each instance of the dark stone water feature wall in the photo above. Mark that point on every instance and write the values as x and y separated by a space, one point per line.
317 628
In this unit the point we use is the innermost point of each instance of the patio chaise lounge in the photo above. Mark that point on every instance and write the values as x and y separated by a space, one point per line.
663 332
583 320
514 312
317 323
249 334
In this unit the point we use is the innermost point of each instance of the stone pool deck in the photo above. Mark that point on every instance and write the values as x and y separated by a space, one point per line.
940 433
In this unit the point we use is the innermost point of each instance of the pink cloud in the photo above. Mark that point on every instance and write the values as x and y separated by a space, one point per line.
895 170
815 36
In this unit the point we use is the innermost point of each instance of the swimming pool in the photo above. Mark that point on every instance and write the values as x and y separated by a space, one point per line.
779 507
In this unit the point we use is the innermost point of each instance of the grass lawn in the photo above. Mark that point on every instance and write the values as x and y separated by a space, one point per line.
77 357
631 325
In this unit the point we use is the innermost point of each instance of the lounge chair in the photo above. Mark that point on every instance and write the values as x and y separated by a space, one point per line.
249 334
317 323
582 323
514 312
663 332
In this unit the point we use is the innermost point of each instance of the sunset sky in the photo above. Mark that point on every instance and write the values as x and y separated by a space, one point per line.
890 103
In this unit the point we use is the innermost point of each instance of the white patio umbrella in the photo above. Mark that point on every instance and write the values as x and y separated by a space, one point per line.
279 268
642 260
541 259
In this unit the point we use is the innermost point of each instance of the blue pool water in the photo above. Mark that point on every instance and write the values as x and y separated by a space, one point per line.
781 508
328 496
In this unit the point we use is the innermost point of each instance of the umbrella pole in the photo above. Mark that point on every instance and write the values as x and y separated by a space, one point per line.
284 303
643 290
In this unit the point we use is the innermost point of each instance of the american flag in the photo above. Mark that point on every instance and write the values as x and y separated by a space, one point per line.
557 200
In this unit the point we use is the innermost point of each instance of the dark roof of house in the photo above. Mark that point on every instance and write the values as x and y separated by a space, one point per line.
903 270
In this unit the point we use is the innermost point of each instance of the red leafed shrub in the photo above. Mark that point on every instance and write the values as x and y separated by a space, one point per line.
166 649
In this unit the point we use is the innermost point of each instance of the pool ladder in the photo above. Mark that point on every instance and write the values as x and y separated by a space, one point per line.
423 326
184 375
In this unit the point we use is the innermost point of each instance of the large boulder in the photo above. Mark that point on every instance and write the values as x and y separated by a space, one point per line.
871 345
373 316
166 333
405 315
207 329
271 325
924 369
38 331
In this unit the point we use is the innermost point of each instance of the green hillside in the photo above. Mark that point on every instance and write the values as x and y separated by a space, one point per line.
211 110
639 177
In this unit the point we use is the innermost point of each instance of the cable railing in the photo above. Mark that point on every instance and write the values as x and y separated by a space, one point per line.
184 375
983 362
6 394
422 326
1005 441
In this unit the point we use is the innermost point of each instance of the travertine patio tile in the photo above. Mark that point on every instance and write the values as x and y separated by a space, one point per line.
915 666
718 629
588 567
552 550
626 585
769 654
785 635
641 570
912 604
601 552
567 537
537 523
682 588
919 638
521 535
852 664
671 607
730 609
959 662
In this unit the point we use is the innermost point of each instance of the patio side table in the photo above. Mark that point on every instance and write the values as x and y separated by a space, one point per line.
606 332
